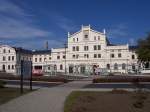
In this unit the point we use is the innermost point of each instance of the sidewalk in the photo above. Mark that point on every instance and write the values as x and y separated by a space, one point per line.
44 99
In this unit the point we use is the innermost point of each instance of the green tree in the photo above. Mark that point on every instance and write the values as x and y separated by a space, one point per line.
143 50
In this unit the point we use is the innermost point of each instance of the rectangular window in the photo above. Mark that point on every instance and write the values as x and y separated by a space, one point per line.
73 39
98 37
85 37
4 58
77 48
86 48
77 56
95 47
73 48
99 55
4 50
64 57
8 58
73 56
99 47
119 55
86 56
95 55
58 57
35 59
112 55
12 58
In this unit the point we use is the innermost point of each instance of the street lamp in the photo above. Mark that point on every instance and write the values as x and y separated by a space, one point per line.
65 58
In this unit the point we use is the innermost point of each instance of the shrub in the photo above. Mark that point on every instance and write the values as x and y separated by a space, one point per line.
111 74
135 80
2 83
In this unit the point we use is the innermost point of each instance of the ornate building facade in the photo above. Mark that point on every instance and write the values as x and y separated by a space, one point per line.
87 51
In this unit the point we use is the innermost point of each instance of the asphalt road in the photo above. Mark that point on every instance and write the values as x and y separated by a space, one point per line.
34 83
90 85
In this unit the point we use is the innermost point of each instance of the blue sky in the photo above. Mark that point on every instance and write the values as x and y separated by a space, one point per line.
29 23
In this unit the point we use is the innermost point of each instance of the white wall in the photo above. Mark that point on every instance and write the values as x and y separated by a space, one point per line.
9 52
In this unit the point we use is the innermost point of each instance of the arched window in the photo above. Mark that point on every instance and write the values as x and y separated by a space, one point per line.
12 66
115 66
61 67
3 67
123 66
8 67
108 66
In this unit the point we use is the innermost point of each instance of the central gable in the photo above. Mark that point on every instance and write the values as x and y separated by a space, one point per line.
86 34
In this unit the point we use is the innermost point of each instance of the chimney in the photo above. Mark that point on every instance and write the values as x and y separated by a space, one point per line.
46 45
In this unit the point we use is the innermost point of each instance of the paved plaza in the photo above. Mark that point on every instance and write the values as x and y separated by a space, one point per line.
44 99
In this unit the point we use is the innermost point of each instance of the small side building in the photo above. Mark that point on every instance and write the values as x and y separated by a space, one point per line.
10 58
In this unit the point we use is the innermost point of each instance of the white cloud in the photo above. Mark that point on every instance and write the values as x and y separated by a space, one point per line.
18 28
15 22
7 6
65 23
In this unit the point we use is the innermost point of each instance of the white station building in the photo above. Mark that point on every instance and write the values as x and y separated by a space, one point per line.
87 52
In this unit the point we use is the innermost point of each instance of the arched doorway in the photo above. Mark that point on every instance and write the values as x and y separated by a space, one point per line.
70 69
94 69
82 69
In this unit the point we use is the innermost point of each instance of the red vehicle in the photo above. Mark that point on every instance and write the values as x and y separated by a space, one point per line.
37 71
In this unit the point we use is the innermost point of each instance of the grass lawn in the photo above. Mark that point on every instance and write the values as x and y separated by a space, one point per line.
114 101
6 94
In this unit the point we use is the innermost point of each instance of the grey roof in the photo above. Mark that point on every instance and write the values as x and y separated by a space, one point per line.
41 52
21 50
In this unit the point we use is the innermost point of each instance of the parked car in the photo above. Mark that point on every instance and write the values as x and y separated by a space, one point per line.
37 72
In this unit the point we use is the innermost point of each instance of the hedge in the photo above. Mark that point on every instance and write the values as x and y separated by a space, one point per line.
2 83
121 79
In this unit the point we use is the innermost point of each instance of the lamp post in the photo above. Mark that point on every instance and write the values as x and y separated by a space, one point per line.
110 62
65 58
127 65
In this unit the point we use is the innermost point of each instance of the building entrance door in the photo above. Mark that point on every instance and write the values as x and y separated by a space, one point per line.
70 69
82 69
